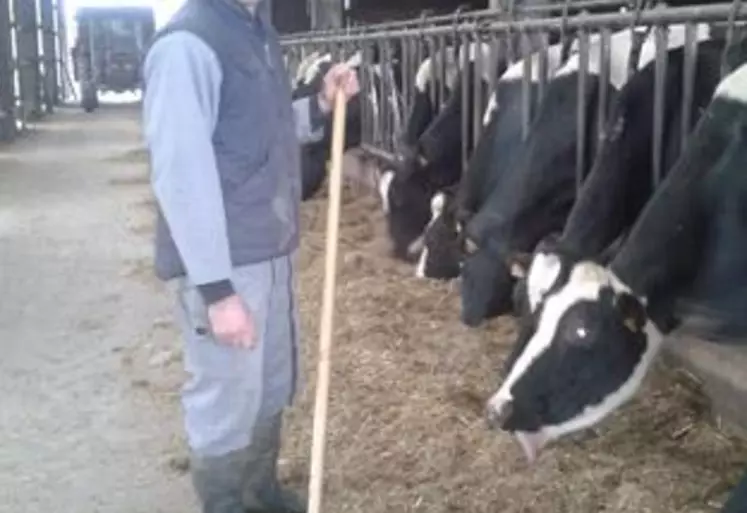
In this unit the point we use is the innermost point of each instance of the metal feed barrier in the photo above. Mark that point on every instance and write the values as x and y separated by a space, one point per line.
513 33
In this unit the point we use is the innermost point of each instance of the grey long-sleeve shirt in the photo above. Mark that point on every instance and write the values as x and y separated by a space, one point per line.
180 110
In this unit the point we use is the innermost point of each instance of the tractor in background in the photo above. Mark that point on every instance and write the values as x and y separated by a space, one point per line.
109 48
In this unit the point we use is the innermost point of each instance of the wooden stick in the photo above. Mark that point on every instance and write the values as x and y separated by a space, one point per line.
328 304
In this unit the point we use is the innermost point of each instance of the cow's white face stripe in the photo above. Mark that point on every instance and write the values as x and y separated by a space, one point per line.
585 282
420 268
438 202
543 272
385 183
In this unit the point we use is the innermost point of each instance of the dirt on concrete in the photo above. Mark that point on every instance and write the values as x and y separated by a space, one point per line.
91 367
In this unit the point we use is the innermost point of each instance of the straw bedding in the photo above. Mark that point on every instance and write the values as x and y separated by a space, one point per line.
405 431
408 383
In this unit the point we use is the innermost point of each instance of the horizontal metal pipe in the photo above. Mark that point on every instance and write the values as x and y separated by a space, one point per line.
468 16
383 156
615 21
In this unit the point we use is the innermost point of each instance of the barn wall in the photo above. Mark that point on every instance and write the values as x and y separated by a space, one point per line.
290 16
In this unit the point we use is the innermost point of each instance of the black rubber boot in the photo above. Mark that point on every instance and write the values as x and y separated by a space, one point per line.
262 490
218 482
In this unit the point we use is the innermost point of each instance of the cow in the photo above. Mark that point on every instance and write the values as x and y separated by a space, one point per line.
315 154
620 183
538 192
423 111
502 133
432 163
600 329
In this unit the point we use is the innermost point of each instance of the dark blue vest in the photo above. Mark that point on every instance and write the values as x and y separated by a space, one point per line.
255 142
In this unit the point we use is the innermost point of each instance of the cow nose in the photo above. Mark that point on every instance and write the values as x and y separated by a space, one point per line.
497 414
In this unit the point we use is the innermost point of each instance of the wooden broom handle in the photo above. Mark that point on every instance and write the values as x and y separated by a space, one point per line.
328 304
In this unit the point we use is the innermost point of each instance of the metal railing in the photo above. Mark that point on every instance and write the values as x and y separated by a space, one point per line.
29 56
391 54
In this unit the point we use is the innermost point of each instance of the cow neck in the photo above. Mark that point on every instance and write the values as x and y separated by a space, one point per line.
662 254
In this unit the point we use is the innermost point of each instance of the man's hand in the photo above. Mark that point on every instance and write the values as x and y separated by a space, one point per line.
339 77
232 323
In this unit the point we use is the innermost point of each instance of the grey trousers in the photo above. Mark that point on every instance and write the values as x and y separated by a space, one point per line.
230 388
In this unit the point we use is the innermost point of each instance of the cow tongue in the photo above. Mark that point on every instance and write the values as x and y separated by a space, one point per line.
531 444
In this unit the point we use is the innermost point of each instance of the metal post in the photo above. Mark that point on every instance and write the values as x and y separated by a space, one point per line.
7 98
27 44
48 54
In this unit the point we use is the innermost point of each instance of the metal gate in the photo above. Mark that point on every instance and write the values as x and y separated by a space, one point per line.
403 45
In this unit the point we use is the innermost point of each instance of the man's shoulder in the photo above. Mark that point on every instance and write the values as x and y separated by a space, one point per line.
181 44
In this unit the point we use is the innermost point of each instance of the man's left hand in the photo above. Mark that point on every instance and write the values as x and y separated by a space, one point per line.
340 77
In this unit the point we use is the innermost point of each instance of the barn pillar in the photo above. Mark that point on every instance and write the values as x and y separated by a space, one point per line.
326 14
62 62
27 44
7 89
48 54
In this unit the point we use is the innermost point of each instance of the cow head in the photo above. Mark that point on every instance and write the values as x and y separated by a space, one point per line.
486 285
442 252
406 204
585 353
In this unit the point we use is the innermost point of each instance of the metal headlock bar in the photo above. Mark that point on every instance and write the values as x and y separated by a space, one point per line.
391 54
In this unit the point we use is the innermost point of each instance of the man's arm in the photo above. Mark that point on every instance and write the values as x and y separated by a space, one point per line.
180 109
309 119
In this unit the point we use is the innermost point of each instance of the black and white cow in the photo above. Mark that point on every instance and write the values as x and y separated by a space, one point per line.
620 182
539 191
501 135
434 162
423 110
600 328
315 154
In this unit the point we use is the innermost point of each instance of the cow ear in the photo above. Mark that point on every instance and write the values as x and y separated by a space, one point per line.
630 311
518 263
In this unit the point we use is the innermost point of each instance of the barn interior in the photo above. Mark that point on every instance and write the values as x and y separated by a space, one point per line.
90 382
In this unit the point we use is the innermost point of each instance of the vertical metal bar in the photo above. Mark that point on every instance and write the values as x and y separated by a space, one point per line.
368 89
406 73
688 79
465 102
493 56
442 69
542 67
434 70
660 36
386 95
583 56
477 103
526 96
604 73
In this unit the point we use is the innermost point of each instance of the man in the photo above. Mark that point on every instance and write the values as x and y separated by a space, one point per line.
224 142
